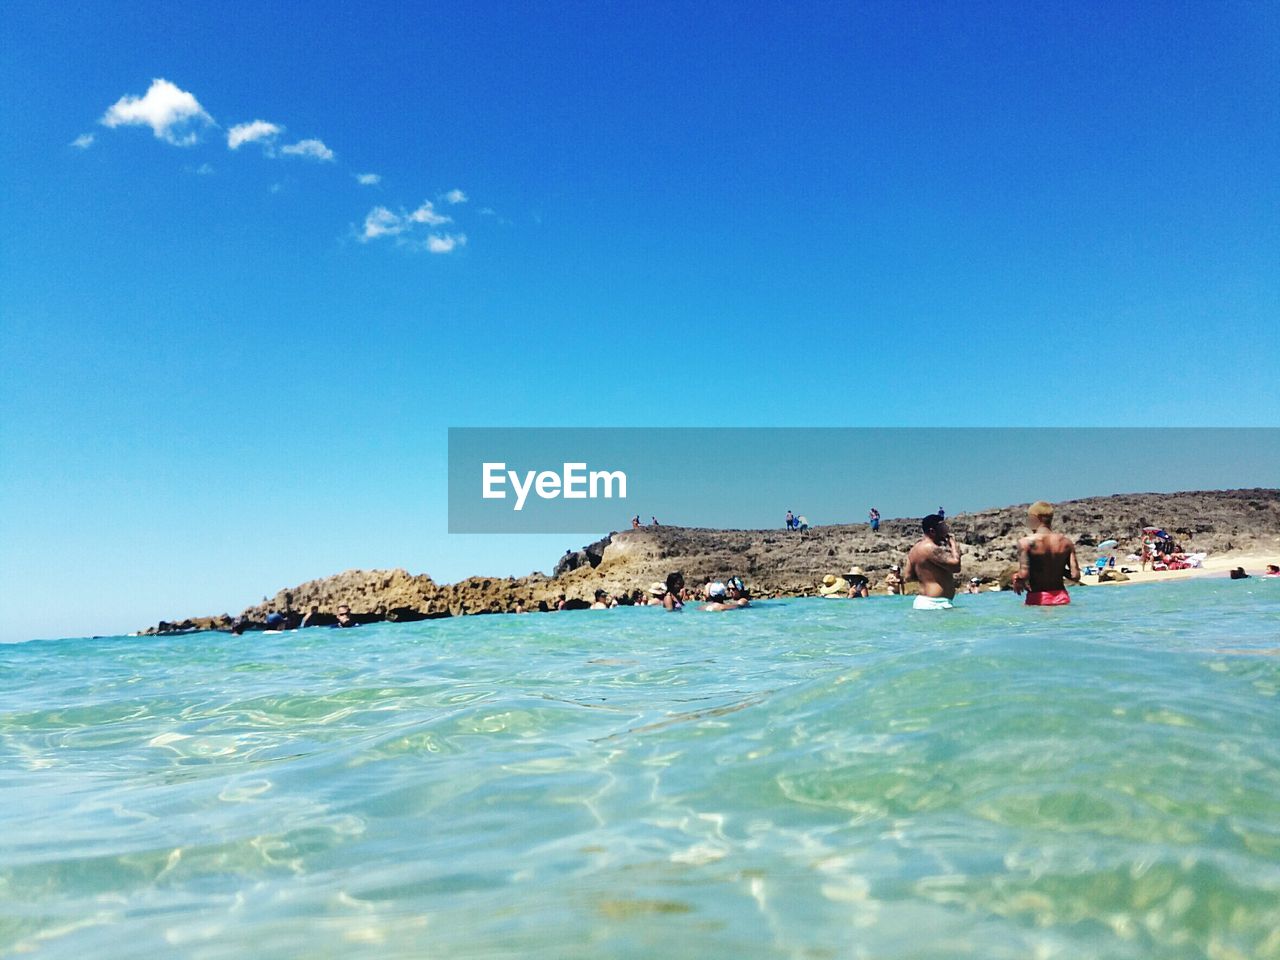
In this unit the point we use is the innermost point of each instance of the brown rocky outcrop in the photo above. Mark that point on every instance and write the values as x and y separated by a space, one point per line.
775 562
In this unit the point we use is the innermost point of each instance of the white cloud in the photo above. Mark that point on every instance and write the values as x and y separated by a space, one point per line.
427 214
83 142
437 243
204 170
455 196
381 222
312 149
252 132
368 179
173 115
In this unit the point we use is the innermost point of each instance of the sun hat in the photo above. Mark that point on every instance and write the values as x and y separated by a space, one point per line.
716 589
975 579
657 588
829 579
856 571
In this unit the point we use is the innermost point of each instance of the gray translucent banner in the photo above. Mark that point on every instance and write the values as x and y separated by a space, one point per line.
594 480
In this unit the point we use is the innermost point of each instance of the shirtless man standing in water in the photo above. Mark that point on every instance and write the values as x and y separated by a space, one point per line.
934 561
1043 560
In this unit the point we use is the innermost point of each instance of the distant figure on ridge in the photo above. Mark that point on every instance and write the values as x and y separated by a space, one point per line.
655 521
791 521
934 561
1043 559
874 519
635 522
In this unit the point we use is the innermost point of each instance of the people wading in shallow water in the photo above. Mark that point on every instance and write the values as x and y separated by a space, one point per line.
893 580
671 599
1044 559
934 561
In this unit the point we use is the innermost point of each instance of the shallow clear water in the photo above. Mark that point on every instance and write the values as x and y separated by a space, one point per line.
804 779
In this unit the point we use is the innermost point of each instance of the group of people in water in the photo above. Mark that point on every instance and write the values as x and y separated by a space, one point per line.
1046 561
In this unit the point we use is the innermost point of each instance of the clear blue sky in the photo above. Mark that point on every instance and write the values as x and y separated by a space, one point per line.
229 370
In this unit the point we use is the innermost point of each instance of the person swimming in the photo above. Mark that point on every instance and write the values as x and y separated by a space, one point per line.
720 599
859 585
893 580
934 561
1043 560
671 598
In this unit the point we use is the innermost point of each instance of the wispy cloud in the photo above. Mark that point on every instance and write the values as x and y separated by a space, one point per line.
311 149
427 214
381 222
174 115
384 222
252 132
438 243
177 117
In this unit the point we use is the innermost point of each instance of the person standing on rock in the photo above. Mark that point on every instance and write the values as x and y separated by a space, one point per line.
1044 558
874 519
934 561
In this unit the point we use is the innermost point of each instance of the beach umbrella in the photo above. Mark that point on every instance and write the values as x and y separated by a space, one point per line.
1107 544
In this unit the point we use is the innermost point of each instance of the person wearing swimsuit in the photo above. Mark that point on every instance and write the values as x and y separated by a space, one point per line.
1044 559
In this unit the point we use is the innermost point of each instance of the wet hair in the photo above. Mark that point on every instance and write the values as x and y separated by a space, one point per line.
600 593
674 582
930 523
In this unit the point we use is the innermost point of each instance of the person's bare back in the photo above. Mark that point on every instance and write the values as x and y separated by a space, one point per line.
935 560
1045 560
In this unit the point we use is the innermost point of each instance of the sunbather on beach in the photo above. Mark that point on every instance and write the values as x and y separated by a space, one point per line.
934 561
1044 558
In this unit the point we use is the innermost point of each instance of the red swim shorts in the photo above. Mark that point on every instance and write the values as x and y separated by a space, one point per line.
1048 598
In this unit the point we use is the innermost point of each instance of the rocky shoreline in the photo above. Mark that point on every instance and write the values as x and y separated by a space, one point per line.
774 563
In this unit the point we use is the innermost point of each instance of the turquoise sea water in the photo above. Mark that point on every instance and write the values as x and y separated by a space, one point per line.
805 779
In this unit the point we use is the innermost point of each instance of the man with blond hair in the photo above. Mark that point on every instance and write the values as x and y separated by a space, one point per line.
1044 559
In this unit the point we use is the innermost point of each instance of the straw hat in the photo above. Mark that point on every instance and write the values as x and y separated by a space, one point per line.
829 579
855 571
658 588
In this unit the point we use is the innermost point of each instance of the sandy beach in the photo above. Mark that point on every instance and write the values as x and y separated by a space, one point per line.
1253 561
